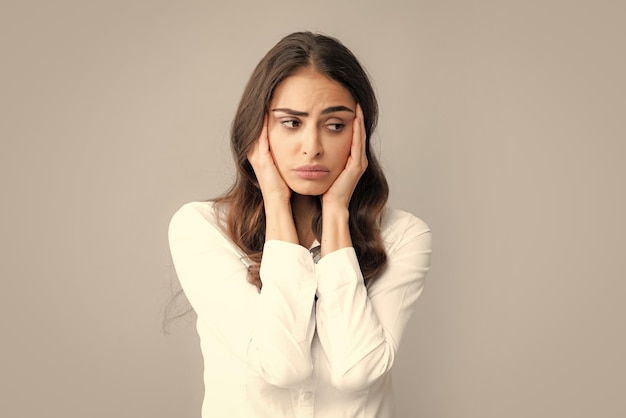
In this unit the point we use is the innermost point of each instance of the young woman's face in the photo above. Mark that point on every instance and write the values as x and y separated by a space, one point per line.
310 130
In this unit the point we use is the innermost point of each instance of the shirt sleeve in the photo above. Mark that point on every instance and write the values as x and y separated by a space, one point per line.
359 328
271 331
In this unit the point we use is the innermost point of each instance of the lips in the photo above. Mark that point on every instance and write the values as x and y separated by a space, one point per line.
311 171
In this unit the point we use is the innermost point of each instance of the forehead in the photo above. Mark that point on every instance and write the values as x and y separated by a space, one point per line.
307 90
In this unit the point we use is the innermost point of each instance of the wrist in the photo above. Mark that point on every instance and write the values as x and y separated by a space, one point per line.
335 229
277 207
335 209
279 223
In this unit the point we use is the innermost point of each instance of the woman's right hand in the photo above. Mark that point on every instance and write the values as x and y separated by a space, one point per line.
273 187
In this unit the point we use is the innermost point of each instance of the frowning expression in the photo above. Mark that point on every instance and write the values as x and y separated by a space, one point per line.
310 130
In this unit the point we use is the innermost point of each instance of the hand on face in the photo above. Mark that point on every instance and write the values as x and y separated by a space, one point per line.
272 185
340 192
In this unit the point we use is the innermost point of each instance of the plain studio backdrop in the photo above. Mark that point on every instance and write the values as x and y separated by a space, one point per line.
502 126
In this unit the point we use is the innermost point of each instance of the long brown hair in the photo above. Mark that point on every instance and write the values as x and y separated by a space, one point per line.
245 219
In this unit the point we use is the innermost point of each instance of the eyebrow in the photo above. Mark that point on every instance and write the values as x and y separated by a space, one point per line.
331 109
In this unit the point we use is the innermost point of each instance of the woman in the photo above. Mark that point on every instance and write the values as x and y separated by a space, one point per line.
301 279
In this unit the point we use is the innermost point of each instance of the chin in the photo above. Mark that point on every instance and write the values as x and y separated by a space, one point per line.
309 189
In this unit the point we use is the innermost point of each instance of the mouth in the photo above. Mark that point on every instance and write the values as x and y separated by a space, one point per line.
312 172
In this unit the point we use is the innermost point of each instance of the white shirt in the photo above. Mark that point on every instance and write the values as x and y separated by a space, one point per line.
282 353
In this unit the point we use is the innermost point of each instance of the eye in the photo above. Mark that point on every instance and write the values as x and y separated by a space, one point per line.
290 123
335 127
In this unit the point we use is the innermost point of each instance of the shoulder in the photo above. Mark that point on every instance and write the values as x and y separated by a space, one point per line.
399 227
198 227
196 218
194 212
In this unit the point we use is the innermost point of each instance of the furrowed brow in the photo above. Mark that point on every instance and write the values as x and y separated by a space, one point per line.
334 109
291 112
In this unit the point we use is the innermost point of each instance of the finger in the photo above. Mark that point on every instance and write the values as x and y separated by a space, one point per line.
361 141
357 133
263 140
362 126
261 144
354 157
363 138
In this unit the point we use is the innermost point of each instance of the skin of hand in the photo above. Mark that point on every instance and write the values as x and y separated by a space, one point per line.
340 192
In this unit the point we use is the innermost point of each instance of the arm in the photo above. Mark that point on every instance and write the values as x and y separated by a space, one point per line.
270 331
360 329
286 269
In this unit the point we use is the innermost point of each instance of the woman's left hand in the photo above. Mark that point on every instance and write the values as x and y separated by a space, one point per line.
340 192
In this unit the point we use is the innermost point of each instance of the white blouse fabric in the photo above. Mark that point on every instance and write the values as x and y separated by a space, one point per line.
283 353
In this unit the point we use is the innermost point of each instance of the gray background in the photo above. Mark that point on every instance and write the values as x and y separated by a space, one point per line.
502 126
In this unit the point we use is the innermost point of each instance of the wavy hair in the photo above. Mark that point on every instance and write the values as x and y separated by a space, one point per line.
245 219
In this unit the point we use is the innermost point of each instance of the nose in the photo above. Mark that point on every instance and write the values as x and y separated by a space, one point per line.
311 142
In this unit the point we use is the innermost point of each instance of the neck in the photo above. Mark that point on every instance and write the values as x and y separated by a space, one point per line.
303 208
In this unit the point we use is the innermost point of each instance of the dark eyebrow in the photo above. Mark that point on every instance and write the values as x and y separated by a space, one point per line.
291 112
331 109
334 109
